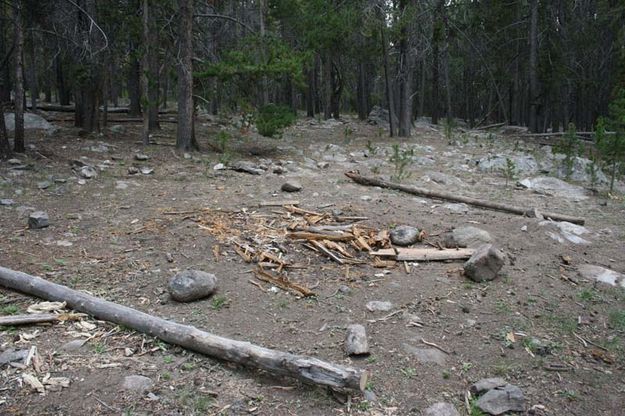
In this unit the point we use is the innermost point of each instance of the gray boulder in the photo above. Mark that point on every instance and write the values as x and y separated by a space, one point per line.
426 355
191 285
486 384
356 340
601 274
379 116
555 187
525 164
37 220
31 122
379 306
291 186
7 202
441 409
501 400
404 235
141 157
136 383
580 168
87 172
484 264
467 237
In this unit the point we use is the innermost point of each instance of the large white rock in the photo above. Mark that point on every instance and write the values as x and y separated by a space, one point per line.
601 274
31 122
555 187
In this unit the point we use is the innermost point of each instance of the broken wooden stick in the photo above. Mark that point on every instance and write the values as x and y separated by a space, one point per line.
424 254
414 190
36 318
303 235
307 369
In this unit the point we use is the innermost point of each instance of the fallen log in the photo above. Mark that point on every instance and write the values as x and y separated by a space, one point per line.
38 318
424 254
414 190
306 369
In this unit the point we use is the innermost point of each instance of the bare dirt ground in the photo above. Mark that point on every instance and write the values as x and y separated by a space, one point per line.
540 326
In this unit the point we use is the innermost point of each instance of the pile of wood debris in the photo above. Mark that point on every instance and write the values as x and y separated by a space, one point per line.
266 239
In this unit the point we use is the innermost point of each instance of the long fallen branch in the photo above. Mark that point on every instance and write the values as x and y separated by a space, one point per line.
424 254
304 368
414 190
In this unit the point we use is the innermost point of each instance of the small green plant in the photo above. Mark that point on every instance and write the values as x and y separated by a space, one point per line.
401 160
617 320
99 348
409 372
168 359
283 303
218 302
166 376
568 394
502 307
592 169
272 118
509 171
9 310
223 140
446 374
348 132
371 148
474 410
466 367
448 129
611 147
589 296
372 359
187 366
570 147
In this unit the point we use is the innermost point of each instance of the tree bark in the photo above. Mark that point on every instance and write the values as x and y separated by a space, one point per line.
185 76
18 145
306 369
533 67
33 86
387 82
531 212
436 35
5 67
64 93
145 132
405 76
327 86
134 87
5 146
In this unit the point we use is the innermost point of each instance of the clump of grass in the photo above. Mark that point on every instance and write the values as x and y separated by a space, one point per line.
617 319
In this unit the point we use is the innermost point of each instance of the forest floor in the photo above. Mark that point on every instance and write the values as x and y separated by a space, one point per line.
539 325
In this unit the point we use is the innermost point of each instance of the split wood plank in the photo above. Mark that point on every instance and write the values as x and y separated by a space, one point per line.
307 369
414 190
424 254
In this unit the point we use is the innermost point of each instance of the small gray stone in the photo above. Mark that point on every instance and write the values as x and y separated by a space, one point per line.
246 167
601 274
133 170
14 162
73 345
191 285
404 235
426 355
460 208
121 185
219 166
356 340
500 400
137 383
88 172
345 290
43 184
11 355
379 306
278 170
323 165
484 264
141 157
37 220
370 396
441 409
6 202
117 129
291 186
146 170
486 384
467 237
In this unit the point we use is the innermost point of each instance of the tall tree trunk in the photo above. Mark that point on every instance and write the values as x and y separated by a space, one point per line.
327 86
437 28
33 87
421 111
134 87
405 76
64 93
387 82
5 146
264 82
310 92
150 35
18 145
185 76
533 67
5 67
145 132
362 92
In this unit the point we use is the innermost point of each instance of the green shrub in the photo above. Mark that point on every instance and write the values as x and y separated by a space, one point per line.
272 118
